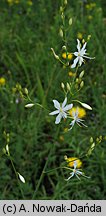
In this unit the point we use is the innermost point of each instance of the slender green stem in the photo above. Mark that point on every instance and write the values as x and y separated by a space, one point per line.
42 175
53 169
62 62
77 101
16 175
73 81
57 168
40 105
29 98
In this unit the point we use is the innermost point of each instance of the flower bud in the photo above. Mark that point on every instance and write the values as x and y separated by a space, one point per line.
26 91
101 137
81 74
93 146
29 105
62 15
62 85
89 37
86 106
70 21
91 140
83 41
82 84
97 139
21 178
64 47
4 151
61 9
77 80
8 138
61 32
56 56
65 2
7 148
68 87
65 157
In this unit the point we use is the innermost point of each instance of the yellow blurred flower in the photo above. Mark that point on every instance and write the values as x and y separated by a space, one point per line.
65 130
2 81
87 6
70 161
10 1
16 1
90 6
13 1
81 112
69 55
61 138
90 17
79 35
29 3
14 90
71 74
93 5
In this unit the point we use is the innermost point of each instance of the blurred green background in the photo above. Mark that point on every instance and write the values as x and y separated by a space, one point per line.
28 30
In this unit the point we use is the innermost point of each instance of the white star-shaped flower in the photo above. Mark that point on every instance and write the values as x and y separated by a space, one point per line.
76 172
80 55
76 119
61 110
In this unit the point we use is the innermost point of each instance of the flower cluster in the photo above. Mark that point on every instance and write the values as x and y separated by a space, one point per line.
75 163
80 54
64 110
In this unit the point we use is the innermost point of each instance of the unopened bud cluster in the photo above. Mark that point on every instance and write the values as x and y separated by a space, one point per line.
66 87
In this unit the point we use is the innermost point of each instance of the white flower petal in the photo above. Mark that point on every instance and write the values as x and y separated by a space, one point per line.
79 172
56 104
64 102
72 124
83 48
68 107
64 115
80 60
85 176
58 118
79 122
72 174
88 57
76 53
78 45
75 164
54 112
75 62
77 176
82 53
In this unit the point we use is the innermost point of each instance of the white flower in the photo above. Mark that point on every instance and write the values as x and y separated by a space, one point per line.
61 110
80 55
76 119
76 172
